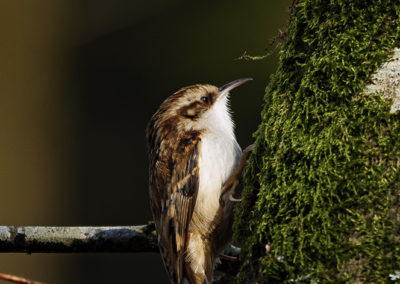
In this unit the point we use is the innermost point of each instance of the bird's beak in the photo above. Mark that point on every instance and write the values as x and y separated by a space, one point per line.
225 89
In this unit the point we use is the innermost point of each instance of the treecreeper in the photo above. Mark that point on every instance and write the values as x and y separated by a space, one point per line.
195 165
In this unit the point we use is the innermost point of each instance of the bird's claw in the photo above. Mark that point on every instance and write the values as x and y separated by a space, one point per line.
249 148
228 257
233 199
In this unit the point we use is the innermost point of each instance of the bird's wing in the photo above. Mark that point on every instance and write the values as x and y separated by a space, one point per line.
173 200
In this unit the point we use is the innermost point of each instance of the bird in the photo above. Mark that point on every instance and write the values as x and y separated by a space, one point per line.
195 164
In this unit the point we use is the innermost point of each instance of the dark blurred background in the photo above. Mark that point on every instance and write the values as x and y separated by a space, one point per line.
78 82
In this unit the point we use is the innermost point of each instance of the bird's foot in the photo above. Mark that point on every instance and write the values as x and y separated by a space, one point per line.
233 181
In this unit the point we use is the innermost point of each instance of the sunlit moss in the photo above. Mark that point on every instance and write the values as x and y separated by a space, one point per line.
322 189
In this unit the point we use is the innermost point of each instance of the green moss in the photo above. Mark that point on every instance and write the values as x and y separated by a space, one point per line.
322 187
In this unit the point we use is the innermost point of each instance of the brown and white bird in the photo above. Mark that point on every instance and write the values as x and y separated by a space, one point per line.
195 164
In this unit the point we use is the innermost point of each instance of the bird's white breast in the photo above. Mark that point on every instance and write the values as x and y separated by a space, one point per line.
219 156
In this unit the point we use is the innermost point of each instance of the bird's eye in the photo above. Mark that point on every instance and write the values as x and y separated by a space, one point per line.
205 99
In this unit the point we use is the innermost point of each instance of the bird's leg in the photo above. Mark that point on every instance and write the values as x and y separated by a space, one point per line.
233 181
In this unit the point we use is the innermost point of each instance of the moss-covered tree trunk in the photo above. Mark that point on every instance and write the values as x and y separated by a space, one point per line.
322 190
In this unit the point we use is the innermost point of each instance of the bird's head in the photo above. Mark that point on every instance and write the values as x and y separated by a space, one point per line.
200 106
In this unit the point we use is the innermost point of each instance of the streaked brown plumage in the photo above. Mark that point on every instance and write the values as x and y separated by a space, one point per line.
193 153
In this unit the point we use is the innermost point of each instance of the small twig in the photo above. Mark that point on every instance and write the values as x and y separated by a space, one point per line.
17 279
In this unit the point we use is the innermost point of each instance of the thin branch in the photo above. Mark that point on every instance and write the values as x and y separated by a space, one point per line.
123 239
37 239
78 239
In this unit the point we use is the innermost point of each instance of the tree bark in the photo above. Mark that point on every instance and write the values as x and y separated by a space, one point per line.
322 188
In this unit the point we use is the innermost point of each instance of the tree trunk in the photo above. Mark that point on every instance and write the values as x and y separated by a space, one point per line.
321 196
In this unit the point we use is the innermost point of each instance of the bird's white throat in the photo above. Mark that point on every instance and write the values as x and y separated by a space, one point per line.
219 156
